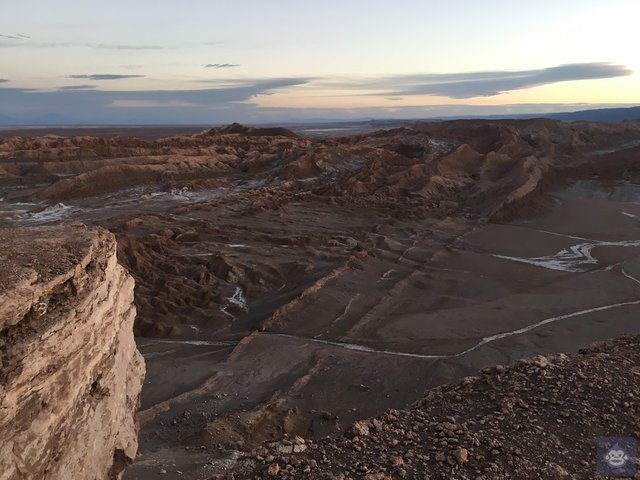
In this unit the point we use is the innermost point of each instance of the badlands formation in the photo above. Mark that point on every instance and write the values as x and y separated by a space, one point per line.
291 288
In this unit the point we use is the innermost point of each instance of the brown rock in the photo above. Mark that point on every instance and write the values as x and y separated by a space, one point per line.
359 429
557 471
377 476
462 456
273 470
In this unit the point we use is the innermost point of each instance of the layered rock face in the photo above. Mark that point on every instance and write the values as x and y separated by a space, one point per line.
70 373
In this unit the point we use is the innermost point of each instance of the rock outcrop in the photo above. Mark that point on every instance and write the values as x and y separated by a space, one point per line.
70 373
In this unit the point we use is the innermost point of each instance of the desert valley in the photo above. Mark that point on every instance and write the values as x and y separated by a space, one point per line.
324 306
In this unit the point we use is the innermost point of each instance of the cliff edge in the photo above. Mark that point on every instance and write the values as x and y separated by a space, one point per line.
70 373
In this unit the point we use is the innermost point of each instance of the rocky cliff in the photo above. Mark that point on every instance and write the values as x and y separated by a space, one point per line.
70 373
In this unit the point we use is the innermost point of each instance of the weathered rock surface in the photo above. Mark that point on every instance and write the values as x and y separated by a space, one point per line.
70 373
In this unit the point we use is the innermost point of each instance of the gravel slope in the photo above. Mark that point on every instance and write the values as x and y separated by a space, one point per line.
539 419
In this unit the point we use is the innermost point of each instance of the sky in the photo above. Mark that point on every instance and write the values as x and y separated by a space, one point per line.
259 61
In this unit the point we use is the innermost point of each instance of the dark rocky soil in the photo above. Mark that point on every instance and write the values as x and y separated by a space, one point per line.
538 419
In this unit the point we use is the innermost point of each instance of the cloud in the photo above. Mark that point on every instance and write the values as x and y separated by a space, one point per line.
218 106
104 76
483 84
17 36
222 100
77 87
3 80
108 46
13 44
150 104
99 46
221 65
91 105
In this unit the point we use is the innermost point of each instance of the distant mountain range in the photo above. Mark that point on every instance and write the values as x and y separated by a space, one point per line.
612 115
619 114
600 115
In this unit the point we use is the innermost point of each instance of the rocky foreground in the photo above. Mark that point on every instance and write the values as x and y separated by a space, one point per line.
70 373
539 419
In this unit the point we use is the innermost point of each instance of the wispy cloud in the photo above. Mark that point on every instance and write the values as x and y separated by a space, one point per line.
225 99
104 76
31 44
77 87
108 46
85 105
3 80
221 65
16 36
481 84
63 44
